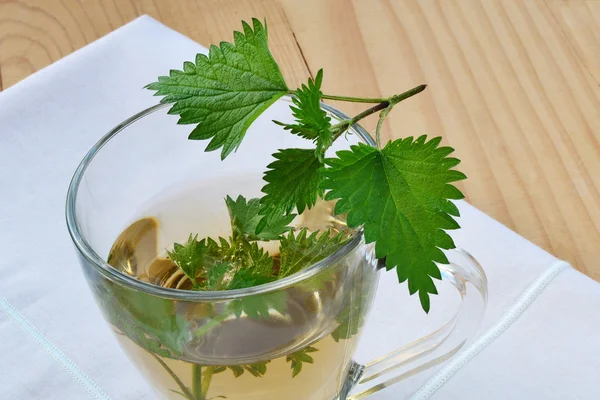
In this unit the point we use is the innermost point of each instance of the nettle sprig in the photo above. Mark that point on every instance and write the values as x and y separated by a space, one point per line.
399 192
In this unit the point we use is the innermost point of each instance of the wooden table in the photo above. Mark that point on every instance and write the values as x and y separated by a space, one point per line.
513 84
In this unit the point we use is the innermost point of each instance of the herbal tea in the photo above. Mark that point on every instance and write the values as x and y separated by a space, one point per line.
238 297
295 344
324 369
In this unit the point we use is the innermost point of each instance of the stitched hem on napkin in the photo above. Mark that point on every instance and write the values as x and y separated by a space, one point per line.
512 315
85 381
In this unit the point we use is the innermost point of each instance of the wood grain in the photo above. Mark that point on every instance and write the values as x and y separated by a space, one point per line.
513 85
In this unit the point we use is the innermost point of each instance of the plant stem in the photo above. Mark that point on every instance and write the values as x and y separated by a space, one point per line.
344 125
395 99
382 117
354 99
383 105
178 381
210 324
208 373
197 383
348 98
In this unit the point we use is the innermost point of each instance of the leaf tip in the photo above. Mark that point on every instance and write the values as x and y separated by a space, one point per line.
425 301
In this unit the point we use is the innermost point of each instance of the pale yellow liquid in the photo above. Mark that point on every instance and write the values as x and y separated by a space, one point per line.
318 381
136 252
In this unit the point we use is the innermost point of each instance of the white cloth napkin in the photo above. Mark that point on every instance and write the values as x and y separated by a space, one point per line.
54 343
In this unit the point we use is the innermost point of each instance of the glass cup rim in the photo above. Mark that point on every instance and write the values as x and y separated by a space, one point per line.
100 265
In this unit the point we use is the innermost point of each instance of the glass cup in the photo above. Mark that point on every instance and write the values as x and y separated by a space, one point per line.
291 339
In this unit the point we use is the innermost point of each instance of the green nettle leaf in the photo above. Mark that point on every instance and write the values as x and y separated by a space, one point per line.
352 317
216 279
300 357
259 306
149 321
301 250
237 370
293 181
349 326
197 258
226 91
218 369
189 257
257 260
245 216
401 194
313 122
256 268
257 369
252 259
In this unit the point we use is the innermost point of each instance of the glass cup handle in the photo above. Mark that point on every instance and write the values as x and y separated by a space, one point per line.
465 273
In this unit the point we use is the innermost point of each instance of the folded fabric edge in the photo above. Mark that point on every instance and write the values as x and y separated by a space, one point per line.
61 359
512 315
